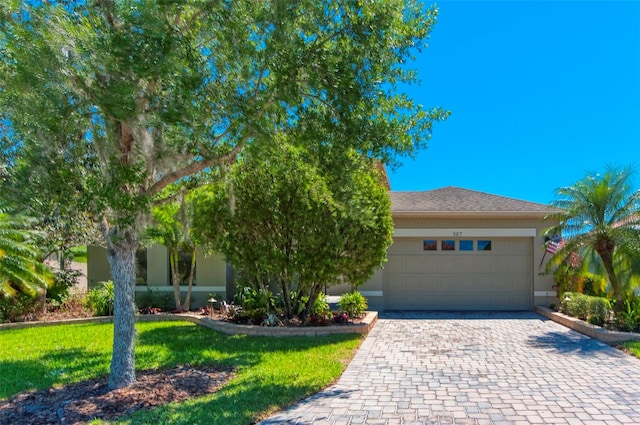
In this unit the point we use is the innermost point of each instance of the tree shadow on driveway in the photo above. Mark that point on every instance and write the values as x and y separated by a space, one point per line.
571 343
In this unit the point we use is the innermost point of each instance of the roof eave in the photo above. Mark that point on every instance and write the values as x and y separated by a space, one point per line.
471 214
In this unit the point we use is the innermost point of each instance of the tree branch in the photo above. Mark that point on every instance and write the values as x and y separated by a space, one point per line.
193 168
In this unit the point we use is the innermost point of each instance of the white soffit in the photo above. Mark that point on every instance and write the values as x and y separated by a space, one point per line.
464 233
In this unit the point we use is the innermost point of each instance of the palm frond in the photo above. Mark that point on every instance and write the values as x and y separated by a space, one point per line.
599 218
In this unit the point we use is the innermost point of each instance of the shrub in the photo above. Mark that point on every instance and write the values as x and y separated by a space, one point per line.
353 303
101 298
318 319
341 318
598 310
254 316
625 322
255 299
75 305
18 308
155 300
628 320
63 281
321 306
585 307
575 304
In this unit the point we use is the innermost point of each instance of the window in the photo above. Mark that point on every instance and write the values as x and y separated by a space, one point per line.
484 245
466 245
430 245
448 245
141 266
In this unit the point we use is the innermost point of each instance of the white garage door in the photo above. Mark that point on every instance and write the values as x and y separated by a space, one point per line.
473 274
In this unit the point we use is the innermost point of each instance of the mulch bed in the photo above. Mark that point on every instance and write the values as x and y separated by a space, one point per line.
81 402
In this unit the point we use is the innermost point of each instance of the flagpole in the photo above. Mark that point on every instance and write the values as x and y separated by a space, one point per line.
543 255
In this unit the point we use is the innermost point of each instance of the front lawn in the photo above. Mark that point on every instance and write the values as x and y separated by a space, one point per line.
79 253
270 372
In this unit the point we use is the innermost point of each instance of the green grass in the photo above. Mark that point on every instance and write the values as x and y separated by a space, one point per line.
633 347
79 253
271 373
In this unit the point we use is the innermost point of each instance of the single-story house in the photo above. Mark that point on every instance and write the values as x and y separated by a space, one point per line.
453 249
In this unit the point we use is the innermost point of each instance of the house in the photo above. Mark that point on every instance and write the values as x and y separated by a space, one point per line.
459 249
453 249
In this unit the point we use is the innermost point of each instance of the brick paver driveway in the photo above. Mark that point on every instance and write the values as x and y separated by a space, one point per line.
477 368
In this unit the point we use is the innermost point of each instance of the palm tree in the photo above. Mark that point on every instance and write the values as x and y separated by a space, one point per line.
21 270
173 230
600 221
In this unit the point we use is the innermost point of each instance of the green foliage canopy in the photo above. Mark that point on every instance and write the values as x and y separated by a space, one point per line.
284 219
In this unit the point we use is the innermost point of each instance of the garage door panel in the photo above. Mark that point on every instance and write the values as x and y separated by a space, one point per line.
412 283
446 263
500 279
466 264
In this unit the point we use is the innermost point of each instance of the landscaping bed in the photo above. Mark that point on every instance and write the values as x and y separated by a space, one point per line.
593 331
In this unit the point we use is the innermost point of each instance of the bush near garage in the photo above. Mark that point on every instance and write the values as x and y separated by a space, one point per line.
354 304
595 310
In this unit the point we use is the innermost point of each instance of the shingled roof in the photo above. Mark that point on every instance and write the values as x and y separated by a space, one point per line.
456 201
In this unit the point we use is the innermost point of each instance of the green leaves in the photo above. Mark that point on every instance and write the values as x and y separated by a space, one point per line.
297 221
600 219
21 269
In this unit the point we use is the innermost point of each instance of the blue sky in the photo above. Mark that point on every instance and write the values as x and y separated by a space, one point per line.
540 92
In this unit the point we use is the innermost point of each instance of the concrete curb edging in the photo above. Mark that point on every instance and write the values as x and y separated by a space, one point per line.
593 331
370 319
363 328
21 325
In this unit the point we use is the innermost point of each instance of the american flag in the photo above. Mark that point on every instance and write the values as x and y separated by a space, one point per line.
554 244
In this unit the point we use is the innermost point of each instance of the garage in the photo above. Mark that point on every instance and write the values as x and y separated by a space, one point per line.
460 249
459 274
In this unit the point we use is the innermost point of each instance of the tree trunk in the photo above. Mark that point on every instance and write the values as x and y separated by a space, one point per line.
175 277
286 298
606 254
192 275
121 252
313 296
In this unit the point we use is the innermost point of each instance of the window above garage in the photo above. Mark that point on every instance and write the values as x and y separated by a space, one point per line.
450 245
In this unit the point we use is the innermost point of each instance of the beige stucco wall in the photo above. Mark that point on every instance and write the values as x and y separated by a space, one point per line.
98 269
372 290
211 273
157 266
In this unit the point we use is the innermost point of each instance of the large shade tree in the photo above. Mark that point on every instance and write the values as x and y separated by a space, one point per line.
136 95
599 219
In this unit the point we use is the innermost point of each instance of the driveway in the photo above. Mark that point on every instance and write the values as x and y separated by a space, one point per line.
476 368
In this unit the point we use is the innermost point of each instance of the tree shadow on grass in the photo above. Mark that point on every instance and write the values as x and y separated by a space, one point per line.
196 344
71 365
241 402
258 387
